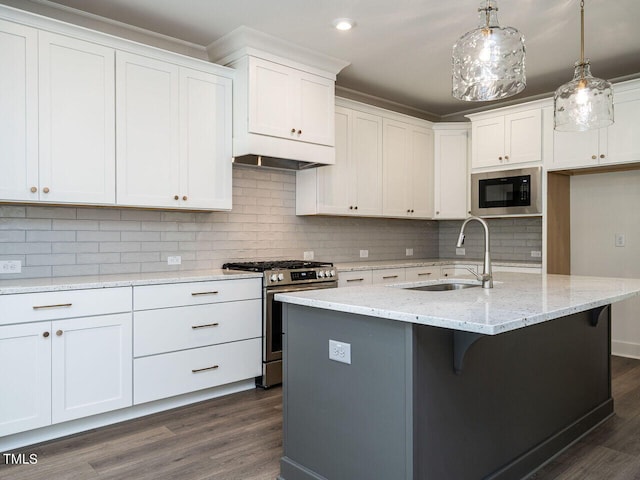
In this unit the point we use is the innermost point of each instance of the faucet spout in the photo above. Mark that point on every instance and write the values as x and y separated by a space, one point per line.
487 275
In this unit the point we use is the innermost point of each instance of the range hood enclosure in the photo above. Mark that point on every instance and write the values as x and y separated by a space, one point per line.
283 109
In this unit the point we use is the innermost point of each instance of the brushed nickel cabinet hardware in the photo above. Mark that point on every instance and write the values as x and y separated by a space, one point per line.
198 370
500 158
197 294
355 279
45 189
593 157
293 130
205 326
389 276
59 305
602 155
506 157
184 198
34 189
59 333
424 273
45 334
176 197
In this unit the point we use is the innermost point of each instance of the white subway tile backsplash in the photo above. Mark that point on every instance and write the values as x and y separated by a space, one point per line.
51 259
51 212
72 270
97 258
50 236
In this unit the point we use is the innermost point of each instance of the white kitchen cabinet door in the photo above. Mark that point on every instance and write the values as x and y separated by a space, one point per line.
19 107
289 103
576 149
387 276
407 170
76 122
421 274
420 172
623 137
451 174
354 278
25 390
353 186
205 140
91 366
147 119
487 142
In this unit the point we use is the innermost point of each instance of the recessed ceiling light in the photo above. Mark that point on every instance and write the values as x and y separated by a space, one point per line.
344 24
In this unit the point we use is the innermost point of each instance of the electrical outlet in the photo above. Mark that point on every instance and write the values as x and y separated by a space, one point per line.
308 255
364 253
461 251
340 351
620 240
177 260
10 266
409 252
536 253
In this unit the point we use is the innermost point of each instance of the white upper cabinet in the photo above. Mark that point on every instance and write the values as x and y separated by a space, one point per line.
19 107
505 138
407 170
57 131
353 186
289 103
451 171
173 141
618 143
77 127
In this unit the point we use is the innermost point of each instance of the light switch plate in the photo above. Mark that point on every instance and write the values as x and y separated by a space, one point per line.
461 251
340 351
308 255
364 253
620 240
409 252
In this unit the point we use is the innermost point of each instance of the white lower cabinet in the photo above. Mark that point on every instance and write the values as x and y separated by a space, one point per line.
25 390
420 274
387 275
354 278
195 335
59 368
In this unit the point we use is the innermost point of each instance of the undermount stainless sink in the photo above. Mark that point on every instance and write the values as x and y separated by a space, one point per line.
442 287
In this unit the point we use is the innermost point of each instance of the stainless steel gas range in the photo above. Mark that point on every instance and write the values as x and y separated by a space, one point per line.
280 276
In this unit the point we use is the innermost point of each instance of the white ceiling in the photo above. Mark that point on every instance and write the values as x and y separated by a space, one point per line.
400 50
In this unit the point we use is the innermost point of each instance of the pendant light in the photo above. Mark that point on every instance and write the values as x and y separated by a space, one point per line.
586 102
488 62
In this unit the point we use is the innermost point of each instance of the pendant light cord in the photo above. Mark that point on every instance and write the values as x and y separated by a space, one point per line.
581 32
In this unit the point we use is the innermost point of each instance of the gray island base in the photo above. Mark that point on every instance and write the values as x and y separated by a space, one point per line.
400 411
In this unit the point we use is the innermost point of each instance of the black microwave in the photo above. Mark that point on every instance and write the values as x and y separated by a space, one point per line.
507 192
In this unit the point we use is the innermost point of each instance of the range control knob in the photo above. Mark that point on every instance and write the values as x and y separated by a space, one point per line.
327 273
273 277
280 277
321 274
332 273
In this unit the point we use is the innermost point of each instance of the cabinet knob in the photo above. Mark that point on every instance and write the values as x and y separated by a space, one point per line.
437 213
34 189
184 198
412 210
500 158
45 334
356 207
506 157
45 189
350 207
299 132
602 155
593 157
408 211
59 333
293 130
176 197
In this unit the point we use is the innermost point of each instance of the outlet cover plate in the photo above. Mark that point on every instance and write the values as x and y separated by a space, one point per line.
10 266
364 253
461 251
175 260
340 351
308 255
409 252
620 240
536 253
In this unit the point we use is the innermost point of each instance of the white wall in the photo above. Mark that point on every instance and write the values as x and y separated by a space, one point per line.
603 205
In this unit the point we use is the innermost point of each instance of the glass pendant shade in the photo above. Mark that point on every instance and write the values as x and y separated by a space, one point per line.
584 103
488 62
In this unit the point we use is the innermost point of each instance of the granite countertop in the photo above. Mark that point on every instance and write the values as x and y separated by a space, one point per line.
34 285
424 262
516 301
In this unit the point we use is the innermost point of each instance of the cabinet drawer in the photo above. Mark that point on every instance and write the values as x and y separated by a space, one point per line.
353 279
30 307
389 275
171 329
419 274
176 373
195 293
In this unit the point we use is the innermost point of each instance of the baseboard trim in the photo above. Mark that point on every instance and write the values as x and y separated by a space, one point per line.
625 349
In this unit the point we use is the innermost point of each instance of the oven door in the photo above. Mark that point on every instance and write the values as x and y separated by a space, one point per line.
272 347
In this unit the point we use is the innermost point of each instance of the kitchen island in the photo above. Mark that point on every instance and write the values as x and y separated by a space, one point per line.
464 384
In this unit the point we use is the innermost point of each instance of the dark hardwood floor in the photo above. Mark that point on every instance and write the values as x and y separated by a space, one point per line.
239 437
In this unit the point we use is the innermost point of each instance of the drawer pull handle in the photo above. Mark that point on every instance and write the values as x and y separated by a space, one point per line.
424 273
205 326
355 279
197 294
389 276
198 370
60 305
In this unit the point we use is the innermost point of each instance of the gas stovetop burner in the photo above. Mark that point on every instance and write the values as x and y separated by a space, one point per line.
274 265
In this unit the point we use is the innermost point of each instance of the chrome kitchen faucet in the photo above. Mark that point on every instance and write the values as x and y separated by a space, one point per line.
487 275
